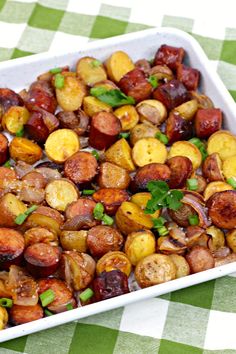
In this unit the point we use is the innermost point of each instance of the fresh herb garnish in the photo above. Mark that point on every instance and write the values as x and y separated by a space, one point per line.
124 135
192 184
153 81
7 164
193 220
69 307
86 294
55 70
107 220
47 297
162 137
95 154
6 302
98 213
88 191
232 182
20 132
96 63
59 81
201 147
113 98
48 313
159 224
22 217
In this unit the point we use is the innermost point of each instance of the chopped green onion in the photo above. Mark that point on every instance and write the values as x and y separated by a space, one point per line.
96 63
98 91
48 313
193 220
203 152
197 142
88 191
69 307
59 81
95 154
5 302
107 220
98 211
47 297
158 222
232 182
7 164
22 217
124 135
192 184
162 137
55 70
153 81
86 295
20 132
162 231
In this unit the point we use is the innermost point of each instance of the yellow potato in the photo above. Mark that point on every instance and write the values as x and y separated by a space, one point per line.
3 317
25 150
139 244
107 84
14 119
70 96
40 220
217 239
152 111
222 142
120 154
61 144
92 105
215 187
188 109
231 240
128 116
185 148
130 218
114 260
149 150
90 70
40 234
229 167
60 193
182 266
203 101
118 64
10 208
141 200
143 130
74 240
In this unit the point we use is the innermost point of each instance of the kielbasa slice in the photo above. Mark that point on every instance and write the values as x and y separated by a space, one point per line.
82 207
188 76
104 130
199 259
35 179
23 314
207 122
77 121
9 98
81 167
42 259
36 128
102 239
181 168
222 209
11 247
41 94
111 198
178 128
170 56
3 149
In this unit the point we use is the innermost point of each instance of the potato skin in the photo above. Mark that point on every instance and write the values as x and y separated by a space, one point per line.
102 239
187 149
231 240
114 260
222 209
60 193
25 150
152 111
74 240
180 169
182 266
118 64
70 96
111 198
149 150
10 207
199 259
40 234
223 142
11 248
216 187
128 116
120 154
113 176
3 318
92 105
90 73
143 130
139 244
212 168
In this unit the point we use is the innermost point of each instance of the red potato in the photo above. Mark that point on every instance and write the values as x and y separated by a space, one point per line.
9 98
188 76
35 179
170 56
144 65
11 248
40 234
222 209
207 122
136 85
104 130
79 215
41 94
42 259
171 94
3 149
24 314
212 168
111 198
77 121
199 259
51 213
178 128
181 168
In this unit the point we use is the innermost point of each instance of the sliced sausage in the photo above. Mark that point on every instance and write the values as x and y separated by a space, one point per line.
36 128
23 314
77 121
178 128
3 149
51 213
222 209
110 284
136 85
63 296
35 179
42 259
144 65
207 122
181 215
212 168
181 168
104 130
113 176
41 94
199 259
9 98
188 76
81 167
11 247
7 173
170 56
82 207
111 198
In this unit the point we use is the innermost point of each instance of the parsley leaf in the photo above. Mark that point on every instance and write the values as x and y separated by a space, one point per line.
113 98
159 222
153 81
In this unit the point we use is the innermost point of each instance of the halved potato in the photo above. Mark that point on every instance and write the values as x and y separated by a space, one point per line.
149 150
3 317
182 266
14 119
222 142
139 244
152 111
61 144
90 70
212 168
92 105
40 220
203 101
231 240
106 84
74 240
143 130
60 193
118 64
40 234
187 149
187 109
229 167
128 116
215 187
71 95
10 208
114 260
120 154
141 200
25 150
217 239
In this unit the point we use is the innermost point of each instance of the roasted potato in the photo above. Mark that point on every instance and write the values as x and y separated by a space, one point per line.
149 150
222 142
128 116
25 150
10 208
118 64
199 259
203 101
120 154
92 105
40 220
114 260
229 167
70 96
60 193
90 70
3 317
107 84
185 148
188 109
212 168
215 187
141 200
15 118
113 176
62 144
231 240
40 234
74 240
182 266
217 238
143 130
162 73
111 198
139 244
152 111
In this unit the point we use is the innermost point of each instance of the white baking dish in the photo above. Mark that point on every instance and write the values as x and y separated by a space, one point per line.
19 73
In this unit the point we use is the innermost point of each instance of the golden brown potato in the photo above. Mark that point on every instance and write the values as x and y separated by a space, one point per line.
114 260
90 70
112 176
3 317
139 244
40 234
215 187
25 150
61 144
231 240
74 240
229 167
10 207
14 118
162 72
70 96
203 101
60 193
130 218
199 259
106 84
152 111
217 238
92 105
154 269
40 220
148 150
141 200
143 130
128 116
222 142
120 154
187 149
187 109
182 266
225 260
212 168
118 64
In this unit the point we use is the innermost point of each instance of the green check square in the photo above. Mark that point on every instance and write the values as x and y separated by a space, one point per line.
168 347
77 24
45 17
17 53
16 12
212 47
185 24
106 27
129 343
233 94
228 52
5 53
224 299
2 3
119 13
17 344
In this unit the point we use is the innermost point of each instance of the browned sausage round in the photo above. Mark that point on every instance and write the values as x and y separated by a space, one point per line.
11 247
150 172
199 259
207 122
135 84
211 168
171 94
178 128
81 167
3 149
9 98
42 259
112 176
51 213
104 130
170 56
83 207
41 95
35 179
23 314
77 121
222 209
111 198
102 239
36 128
63 296
181 215
188 76
7 173
181 168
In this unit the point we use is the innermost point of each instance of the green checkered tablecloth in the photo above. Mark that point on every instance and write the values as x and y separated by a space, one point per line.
200 319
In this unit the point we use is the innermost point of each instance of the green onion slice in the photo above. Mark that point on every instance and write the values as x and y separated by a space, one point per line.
232 182
192 184
86 295
47 297
88 191
107 220
162 137
193 220
5 302
59 81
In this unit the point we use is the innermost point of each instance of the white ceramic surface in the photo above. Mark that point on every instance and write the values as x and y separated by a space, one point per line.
19 73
